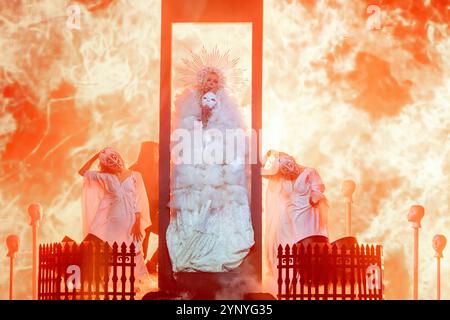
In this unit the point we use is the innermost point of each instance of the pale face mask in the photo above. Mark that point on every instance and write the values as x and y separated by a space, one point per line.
111 159
209 99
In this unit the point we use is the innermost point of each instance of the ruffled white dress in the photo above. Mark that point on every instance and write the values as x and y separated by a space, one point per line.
210 226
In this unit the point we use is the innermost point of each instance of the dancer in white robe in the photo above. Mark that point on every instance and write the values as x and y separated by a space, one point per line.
115 205
210 226
296 207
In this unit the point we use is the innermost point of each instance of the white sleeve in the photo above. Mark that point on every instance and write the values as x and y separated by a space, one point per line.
96 177
316 181
91 195
142 205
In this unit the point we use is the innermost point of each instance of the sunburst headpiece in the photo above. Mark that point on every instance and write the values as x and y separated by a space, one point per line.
193 71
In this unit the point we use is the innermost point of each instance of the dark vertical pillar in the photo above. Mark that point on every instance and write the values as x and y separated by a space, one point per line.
165 269
256 191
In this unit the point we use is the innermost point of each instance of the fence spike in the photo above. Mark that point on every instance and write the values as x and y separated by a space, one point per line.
379 247
334 249
280 251
363 250
316 248
287 249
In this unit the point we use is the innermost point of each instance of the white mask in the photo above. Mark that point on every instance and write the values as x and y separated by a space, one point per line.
209 99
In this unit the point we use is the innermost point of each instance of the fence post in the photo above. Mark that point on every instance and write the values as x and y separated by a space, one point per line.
301 267
334 275
358 271
370 254
308 261
97 266
40 273
280 273
326 271
64 262
123 279
316 269
106 259
88 276
343 254
295 271
365 265
52 270
132 265
380 264
59 268
75 257
287 280
114 262
48 265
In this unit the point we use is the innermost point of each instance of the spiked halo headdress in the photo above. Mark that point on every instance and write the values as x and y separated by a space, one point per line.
193 71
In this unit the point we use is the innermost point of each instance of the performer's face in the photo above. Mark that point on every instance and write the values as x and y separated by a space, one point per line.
211 82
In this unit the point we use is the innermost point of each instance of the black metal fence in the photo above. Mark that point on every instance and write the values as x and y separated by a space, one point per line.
86 271
329 272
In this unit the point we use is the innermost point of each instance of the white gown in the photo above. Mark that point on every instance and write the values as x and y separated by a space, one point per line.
289 217
210 228
109 208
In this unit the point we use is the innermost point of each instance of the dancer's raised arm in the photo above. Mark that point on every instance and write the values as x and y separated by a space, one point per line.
88 165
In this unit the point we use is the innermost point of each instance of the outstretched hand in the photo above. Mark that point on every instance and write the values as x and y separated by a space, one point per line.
136 231
314 199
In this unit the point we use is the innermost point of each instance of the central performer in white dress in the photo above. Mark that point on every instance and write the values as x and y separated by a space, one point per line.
210 227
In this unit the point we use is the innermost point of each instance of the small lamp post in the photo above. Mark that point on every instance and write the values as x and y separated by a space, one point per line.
35 212
439 242
12 242
348 187
415 215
